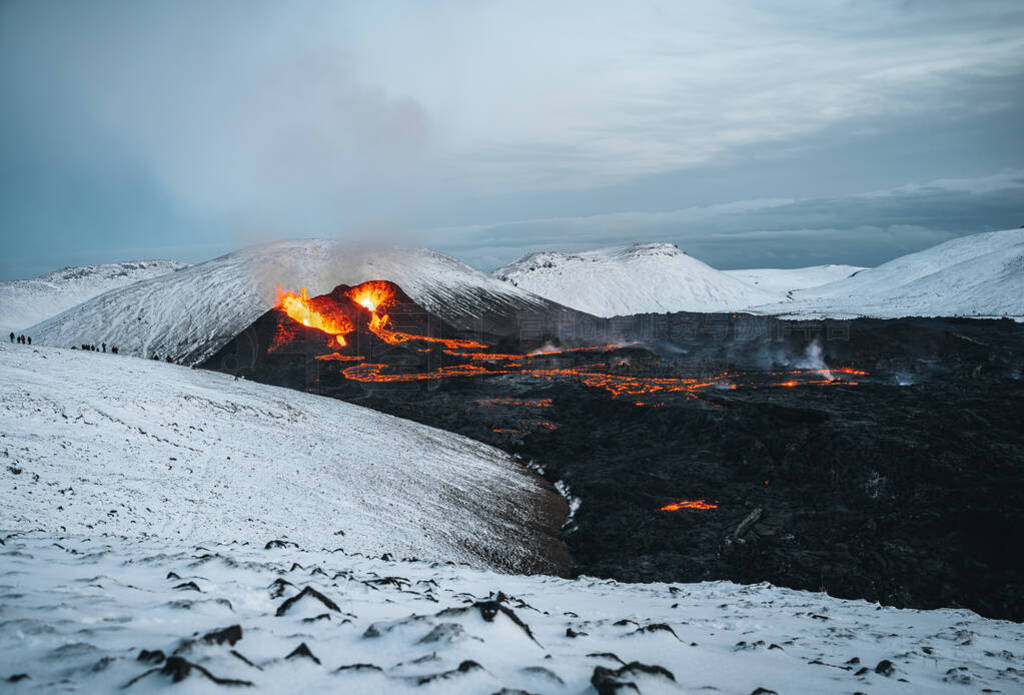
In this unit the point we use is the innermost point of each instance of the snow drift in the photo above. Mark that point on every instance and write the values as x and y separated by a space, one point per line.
24 303
782 281
98 443
634 279
191 314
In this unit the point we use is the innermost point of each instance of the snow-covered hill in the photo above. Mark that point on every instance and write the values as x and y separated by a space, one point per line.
977 275
781 281
97 443
24 303
631 280
191 314
104 614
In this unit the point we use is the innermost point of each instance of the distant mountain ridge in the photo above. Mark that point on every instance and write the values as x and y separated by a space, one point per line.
189 312
981 275
24 303
639 278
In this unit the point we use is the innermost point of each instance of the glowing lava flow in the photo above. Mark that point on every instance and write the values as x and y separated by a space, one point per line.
688 504
298 307
376 296
615 384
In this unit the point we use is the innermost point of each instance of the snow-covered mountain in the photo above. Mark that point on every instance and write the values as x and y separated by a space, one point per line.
632 279
191 314
976 275
781 281
101 613
97 443
24 303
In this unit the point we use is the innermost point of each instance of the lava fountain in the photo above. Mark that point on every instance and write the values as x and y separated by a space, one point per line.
299 307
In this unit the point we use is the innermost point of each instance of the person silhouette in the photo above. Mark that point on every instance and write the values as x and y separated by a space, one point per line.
12 336
29 340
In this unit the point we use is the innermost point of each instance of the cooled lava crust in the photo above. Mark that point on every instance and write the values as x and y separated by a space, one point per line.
898 479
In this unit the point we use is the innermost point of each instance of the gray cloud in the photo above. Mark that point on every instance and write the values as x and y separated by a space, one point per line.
195 125
865 229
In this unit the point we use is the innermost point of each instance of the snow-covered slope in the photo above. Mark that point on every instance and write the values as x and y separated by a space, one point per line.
191 314
977 275
99 443
631 280
780 281
24 303
100 613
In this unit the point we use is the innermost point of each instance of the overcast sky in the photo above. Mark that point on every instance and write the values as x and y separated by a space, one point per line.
772 133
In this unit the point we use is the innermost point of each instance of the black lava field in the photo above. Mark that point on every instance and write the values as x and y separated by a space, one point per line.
871 459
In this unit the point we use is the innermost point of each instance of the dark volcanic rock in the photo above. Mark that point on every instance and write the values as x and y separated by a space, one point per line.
885 667
308 592
178 669
230 634
156 656
302 652
907 488
465 667
614 682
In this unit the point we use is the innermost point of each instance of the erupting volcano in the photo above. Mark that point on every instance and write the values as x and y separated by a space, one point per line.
321 315
393 340
331 313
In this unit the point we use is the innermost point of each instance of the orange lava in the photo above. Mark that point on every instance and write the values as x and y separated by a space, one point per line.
615 384
688 504
376 296
299 307
338 357
528 402
371 372
373 295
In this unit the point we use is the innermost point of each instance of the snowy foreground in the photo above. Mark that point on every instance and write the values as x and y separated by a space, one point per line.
100 443
169 528
101 613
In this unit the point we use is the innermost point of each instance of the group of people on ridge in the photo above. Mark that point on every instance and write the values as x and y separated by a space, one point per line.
103 348
25 340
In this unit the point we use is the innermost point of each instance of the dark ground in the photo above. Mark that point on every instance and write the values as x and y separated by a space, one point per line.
907 488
